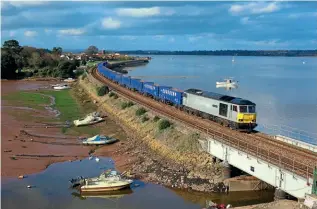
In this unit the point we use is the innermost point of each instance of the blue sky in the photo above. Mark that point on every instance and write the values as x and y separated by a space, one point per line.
161 25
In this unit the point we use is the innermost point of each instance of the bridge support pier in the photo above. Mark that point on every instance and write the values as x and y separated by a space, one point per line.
226 171
279 194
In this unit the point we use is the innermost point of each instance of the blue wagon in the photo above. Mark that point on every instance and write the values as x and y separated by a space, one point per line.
117 77
151 89
171 95
126 81
137 84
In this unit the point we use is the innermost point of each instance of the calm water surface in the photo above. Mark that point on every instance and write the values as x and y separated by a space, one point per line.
283 88
52 191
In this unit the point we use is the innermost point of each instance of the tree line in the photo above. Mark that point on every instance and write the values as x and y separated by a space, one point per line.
286 53
27 61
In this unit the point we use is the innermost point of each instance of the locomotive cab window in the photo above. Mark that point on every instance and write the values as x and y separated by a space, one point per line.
243 109
223 109
235 108
251 109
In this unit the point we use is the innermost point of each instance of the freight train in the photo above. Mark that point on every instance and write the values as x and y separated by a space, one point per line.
236 113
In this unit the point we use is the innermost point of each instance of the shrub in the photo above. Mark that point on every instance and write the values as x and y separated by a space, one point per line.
111 94
145 118
140 111
83 76
164 124
115 96
126 104
102 90
156 118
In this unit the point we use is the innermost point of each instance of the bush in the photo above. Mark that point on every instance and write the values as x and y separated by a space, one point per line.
102 90
111 94
164 124
140 111
145 118
126 104
156 118
115 96
83 76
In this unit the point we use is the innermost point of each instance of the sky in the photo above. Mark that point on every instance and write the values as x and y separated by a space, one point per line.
149 25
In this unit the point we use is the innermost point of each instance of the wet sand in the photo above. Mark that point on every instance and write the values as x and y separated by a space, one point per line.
39 152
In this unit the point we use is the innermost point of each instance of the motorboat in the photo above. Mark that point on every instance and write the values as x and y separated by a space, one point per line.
61 87
70 80
89 119
99 140
107 181
226 82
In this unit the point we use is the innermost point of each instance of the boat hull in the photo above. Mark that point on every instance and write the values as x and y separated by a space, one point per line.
97 189
78 123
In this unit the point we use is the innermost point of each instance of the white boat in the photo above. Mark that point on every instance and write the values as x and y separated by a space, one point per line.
107 181
99 140
88 120
61 87
227 81
70 80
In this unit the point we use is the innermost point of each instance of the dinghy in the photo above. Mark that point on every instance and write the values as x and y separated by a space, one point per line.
61 87
227 81
99 140
88 120
107 181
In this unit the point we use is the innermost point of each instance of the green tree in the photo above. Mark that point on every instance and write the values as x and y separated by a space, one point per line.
8 65
92 50
12 45
57 51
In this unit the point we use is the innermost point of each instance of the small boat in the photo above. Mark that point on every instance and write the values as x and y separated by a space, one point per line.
61 87
70 80
99 140
107 181
88 120
227 81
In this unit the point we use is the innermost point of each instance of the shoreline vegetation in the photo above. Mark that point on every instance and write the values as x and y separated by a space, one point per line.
19 62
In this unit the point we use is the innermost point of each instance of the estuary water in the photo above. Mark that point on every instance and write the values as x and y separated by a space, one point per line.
51 191
283 88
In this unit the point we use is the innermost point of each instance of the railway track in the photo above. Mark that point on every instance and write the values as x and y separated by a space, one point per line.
289 157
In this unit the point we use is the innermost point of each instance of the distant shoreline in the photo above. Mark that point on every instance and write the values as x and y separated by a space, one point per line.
277 53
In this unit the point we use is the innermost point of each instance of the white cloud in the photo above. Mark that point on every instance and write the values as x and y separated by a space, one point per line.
245 20
72 32
158 37
300 15
48 31
12 33
109 23
128 38
254 8
171 40
140 12
194 38
30 33
27 3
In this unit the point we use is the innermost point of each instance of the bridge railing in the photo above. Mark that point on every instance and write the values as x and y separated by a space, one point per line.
290 132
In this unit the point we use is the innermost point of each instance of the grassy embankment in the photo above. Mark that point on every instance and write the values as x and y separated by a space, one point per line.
70 103
177 142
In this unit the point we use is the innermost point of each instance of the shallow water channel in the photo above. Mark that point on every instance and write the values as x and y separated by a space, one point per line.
51 190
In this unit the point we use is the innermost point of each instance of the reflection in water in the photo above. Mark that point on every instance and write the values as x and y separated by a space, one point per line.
52 191
228 87
233 198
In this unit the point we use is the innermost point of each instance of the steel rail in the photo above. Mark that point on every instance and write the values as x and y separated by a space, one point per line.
293 164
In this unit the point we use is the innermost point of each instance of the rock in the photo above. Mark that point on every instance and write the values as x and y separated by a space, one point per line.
29 186
7 150
95 101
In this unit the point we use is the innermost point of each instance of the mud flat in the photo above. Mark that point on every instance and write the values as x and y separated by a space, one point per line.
281 204
34 133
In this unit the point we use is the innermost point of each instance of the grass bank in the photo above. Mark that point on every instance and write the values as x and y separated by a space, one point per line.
70 103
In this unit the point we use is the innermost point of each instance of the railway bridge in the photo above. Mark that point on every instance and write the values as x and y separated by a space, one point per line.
287 167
